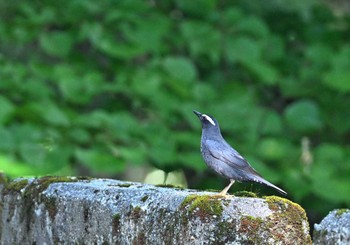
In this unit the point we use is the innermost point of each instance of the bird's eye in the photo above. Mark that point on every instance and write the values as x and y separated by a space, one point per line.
209 119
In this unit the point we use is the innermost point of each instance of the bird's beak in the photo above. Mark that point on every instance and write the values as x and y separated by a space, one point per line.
197 113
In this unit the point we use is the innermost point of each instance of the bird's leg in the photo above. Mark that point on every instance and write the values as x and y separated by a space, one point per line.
224 191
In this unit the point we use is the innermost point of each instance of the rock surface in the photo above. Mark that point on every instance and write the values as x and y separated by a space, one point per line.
61 210
334 228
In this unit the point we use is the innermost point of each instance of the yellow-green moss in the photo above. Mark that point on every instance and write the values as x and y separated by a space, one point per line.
288 220
245 194
144 198
125 185
116 223
341 211
3 179
170 186
44 182
251 226
51 207
33 191
203 206
15 186
140 238
136 213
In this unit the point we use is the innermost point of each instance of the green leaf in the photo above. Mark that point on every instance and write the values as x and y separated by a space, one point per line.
56 43
191 7
242 49
147 35
180 68
16 169
273 149
99 161
272 123
266 73
7 142
330 153
338 76
254 26
338 80
6 109
303 116
198 40
54 115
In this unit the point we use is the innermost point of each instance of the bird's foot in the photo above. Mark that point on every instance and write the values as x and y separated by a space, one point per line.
224 194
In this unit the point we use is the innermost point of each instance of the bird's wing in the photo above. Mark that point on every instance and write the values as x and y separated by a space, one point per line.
226 154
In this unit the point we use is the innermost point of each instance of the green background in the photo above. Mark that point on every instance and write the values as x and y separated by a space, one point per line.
107 88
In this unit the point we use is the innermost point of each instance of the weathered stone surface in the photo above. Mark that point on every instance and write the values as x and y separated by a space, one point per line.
59 210
333 229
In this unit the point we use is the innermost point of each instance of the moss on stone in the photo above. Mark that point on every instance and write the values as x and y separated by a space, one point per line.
125 185
3 179
85 178
144 198
341 211
288 219
224 231
170 186
116 223
136 213
245 194
32 195
15 186
140 239
44 182
51 207
251 227
203 206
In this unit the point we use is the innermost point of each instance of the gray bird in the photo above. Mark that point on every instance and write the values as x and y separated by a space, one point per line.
223 159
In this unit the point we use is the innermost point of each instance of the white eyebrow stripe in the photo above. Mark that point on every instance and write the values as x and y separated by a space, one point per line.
209 119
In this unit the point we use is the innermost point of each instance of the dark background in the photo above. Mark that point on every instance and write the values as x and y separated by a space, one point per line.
107 88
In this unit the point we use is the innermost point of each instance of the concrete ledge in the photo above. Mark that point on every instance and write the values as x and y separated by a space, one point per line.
58 210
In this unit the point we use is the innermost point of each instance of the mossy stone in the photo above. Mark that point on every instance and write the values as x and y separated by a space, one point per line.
203 206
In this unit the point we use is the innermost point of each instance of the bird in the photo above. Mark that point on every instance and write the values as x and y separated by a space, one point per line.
223 159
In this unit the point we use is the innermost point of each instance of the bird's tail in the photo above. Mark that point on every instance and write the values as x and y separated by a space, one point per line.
265 182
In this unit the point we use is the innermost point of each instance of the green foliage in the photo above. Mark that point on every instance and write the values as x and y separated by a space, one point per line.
101 85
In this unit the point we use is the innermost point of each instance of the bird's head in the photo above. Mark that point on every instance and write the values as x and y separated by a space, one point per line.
206 120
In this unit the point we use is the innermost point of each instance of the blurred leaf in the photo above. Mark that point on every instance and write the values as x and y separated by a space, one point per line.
272 123
338 80
180 68
242 49
32 152
334 190
254 26
330 153
191 7
7 108
192 160
273 48
147 35
297 183
196 35
56 43
53 114
266 73
338 76
303 116
273 149
99 161
79 135
16 169
130 155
